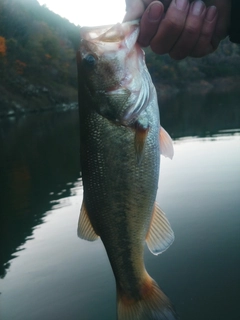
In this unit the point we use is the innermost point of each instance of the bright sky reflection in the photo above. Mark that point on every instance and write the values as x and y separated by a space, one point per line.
55 271
88 13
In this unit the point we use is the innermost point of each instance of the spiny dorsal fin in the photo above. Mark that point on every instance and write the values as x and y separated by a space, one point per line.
166 145
85 230
160 235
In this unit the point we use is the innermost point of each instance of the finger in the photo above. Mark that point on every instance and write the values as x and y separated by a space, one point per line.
170 27
223 21
149 22
191 32
135 9
204 46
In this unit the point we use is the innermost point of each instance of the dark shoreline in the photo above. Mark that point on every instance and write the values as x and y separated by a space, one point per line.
38 103
200 87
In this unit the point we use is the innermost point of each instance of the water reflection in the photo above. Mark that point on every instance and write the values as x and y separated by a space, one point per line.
58 276
39 163
191 115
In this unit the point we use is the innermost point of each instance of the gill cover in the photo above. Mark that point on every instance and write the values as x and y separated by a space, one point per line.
113 66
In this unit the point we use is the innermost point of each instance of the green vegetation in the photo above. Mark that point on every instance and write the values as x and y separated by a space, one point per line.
37 57
38 66
223 63
217 72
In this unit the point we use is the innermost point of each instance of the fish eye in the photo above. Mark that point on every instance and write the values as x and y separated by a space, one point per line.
89 60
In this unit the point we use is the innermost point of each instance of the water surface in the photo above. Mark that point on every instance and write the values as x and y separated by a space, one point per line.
48 273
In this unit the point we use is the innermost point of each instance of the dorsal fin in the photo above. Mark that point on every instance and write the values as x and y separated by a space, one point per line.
85 230
166 145
160 235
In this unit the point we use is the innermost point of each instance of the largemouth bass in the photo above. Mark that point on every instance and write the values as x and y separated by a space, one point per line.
120 145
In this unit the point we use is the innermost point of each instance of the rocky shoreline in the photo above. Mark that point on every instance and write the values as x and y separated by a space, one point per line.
200 87
16 110
19 97
28 98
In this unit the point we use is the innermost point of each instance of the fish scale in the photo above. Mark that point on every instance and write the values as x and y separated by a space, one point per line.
127 203
120 159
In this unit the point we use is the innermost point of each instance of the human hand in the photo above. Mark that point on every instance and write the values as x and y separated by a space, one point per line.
223 21
184 29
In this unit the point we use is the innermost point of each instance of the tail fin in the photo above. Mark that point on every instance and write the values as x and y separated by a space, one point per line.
153 305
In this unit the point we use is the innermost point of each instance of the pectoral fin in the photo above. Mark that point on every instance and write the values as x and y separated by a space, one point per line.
85 230
160 235
166 145
141 132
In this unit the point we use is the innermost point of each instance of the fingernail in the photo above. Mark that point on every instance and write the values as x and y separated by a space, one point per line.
198 8
155 12
181 4
211 13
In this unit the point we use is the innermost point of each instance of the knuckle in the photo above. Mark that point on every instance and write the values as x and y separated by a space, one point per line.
207 31
206 35
173 25
192 30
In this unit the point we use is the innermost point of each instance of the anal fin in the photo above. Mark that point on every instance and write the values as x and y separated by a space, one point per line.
160 235
85 230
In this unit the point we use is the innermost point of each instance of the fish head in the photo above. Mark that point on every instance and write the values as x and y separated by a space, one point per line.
111 68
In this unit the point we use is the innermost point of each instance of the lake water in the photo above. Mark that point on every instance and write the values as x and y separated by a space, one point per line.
47 272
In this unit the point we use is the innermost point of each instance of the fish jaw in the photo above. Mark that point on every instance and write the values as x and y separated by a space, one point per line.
118 71
120 188
112 37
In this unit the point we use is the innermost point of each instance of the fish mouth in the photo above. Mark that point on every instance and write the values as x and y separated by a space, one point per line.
108 33
111 38
132 79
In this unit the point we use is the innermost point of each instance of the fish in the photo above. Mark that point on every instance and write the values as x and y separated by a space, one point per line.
120 145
